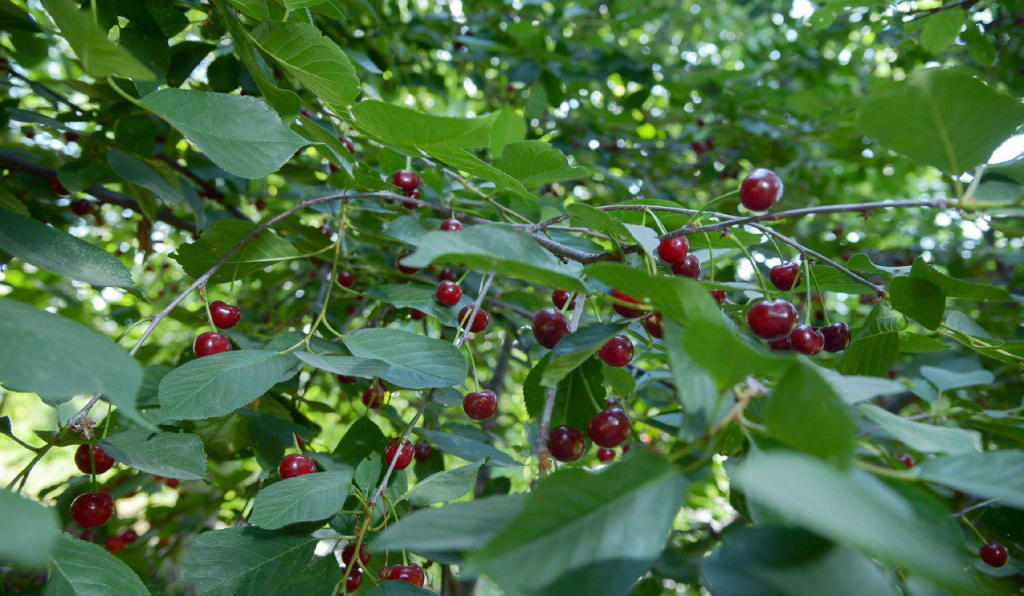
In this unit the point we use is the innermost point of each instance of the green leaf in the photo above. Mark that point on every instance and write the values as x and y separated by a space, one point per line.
583 215
459 526
957 288
444 486
397 588
62 254
855 389
945 118
416 361
919 299
509 127
535 163
9 202
362 439
580 395
695 386
533 391
467 449
948 380
345 365
876 346
312 58
461 159
32 529
805 412
79 568
240 134
499 249
422 298
399 125
926 438
716 347
941 29
219 384
171 455
576 522
988 475
99 56
851 508
306 498
246 560
676 297
576 348
221 237
147 175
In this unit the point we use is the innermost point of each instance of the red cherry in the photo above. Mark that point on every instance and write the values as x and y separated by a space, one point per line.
296 464
780 345
772 319
416 315
451 225
907 460
84 460
346 379
350 550
480 321
346 278
605 455
760 190
172 483
404 269
81 207
807 340
560 298
617 351
210 343
565 443
90 510
70 136
785 276
113 544
374 396
354 580
406 180
411 205
447 275
411 573
400 451
385 572
994 554
480 405
57 187
718 295
225 316
333 168
625 311
449 293
837 337
347 142
129 536
674 250
549 327
609 427
688 267
653 325
422 450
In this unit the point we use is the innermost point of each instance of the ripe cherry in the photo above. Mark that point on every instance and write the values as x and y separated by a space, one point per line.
422 450
84 460
113 544
347 142
172 483
565 443
346 278
560 298
549 327
994 554
349 551
688 267
480 405
416 315
449 293
760 190
403 268
674 250
57 187
451 225
354 580
345 379
625 311
447 274
81 207
605 455
130 536
411 573
90 510
224 315
415 196
374 395
406 180
907 460
617 351
780 345
718 295
837 337
210 343
480 321
653 325
400 451
772 319
807 340
609 427
296 464
785 276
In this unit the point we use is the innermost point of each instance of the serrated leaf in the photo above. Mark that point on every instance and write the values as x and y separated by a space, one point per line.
400 125
306 498
223 235
79 567
454 527
461 159
33 530
361 440
876 345
919 299
422 298
467 449
345 365
444 486
415 361
807 414
957 288
170 455
99 56
535 163
148 175
245 561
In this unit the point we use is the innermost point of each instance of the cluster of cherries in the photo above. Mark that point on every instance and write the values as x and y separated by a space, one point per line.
608 429
224 316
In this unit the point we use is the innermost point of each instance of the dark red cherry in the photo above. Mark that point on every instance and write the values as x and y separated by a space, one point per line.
785 276
129 536
400 451
210 343
550 326
296 464
412 205
560 298
653 325
224 315
772 319
780 345
617 351
674 250
807 340
347 142
346 278
760 190
837 337
113 544
70 136
447 275
347 380
172 482
374 396
411 573
90 510
994 554
625 311
907 460
718 295
385 572
605 455
451 225
349 551
416 315
85 461
406 180
449 293
403 268
609 427
422 450
81 207
565 443
480 405
480 321
354 580
57 187
688 267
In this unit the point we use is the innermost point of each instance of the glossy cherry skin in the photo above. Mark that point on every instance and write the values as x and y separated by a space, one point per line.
346 278
994 554
451 225
374 396
549 327
785 276
411 573
406 180
90 510
81 207
609 427
85 461
653 325
296 464
224 315
688 267
837 337
349 551
210 343
760 190
403 268
807 340
674 250
625 311
354 580
480 405
113 544
422 451
400 451
130 536
772 319
617 351
448 293
560 298
480 321
565 443
718 295
172 483
907 460
605 455
447 274
347 142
